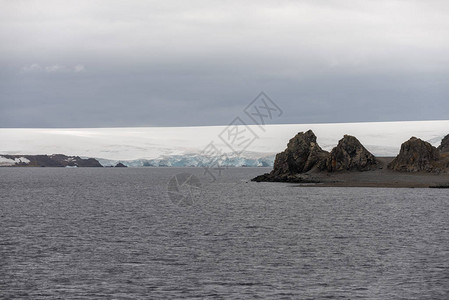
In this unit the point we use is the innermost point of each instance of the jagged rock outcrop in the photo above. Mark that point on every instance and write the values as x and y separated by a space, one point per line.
120 165
444 147
304 162
350 155
416 155
303 154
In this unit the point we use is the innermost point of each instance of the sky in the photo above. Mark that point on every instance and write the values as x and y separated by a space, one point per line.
109 63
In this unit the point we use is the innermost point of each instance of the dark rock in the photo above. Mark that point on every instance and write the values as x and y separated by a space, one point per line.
444 147
415 155
87 162
120 165
350 155
55 160
303 154
262 178
296 178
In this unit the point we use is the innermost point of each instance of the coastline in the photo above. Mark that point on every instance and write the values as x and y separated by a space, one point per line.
381 177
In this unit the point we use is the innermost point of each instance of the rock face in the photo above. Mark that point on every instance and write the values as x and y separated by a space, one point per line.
303 160
350 155
416 155
444 147
303 154
120 165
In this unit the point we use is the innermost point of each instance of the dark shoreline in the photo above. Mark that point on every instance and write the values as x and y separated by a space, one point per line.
380 178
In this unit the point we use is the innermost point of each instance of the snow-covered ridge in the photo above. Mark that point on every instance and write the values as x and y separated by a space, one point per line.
6 162
179 146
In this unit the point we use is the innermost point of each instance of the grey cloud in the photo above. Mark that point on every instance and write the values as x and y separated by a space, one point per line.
173 63
34 68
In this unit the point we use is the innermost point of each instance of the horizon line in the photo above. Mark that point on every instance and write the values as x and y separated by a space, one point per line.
224 125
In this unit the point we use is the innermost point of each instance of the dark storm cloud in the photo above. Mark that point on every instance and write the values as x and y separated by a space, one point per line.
174 63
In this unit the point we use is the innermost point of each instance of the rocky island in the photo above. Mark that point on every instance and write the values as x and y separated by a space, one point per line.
418 164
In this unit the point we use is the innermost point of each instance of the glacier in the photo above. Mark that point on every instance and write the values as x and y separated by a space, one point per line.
183 146
192 160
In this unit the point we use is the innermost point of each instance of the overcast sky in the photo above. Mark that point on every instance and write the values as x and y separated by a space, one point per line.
181 63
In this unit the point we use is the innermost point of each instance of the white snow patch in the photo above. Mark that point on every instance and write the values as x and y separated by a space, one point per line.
4 162
22 160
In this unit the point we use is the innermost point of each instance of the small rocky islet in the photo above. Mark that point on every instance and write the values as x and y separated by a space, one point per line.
418 164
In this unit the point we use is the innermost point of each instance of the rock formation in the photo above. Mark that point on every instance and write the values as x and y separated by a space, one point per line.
120 165
444 147
350 155
302 155
415 155
305 162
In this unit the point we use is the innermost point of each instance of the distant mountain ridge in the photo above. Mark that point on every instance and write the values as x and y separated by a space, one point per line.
189 160
55 160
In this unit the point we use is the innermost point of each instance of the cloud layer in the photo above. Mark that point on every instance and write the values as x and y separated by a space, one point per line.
53 69
174 63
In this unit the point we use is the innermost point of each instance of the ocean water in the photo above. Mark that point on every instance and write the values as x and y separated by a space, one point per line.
141 234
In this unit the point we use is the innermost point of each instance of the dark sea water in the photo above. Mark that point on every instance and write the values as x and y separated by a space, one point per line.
116 234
